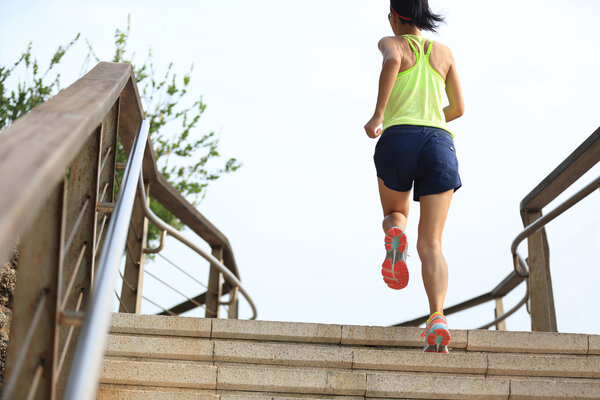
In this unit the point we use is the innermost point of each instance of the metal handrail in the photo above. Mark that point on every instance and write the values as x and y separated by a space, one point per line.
511 311
520 264
85 371
160 224
506 286
544 220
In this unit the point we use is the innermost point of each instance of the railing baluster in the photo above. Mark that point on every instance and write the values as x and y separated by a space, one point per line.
17 367
75 226
100 233
118 298
134 262
215 284
33 331
105 159
499 310
63 353
73 276
173 289
76 266
182 270
126 283
159 306
35 383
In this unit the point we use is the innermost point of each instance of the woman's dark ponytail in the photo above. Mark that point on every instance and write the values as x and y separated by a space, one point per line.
416 12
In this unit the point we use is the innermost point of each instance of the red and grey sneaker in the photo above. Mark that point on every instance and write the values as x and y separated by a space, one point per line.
437 336
394 270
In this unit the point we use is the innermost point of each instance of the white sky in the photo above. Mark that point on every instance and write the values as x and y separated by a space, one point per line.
289 90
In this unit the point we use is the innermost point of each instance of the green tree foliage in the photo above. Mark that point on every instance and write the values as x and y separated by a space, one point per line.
35 89
183 155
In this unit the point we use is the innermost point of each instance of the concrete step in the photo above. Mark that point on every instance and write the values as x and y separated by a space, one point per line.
119 392
158 373
163 357
256 378
131 392
469 340
347 357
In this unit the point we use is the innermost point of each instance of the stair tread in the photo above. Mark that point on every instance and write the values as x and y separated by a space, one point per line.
247 377
154 357
120 392
346 357
303 332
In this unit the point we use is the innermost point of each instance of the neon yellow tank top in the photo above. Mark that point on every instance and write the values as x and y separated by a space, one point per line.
418 93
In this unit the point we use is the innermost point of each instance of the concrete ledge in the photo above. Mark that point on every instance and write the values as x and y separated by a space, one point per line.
149 373
594 344
147 324
394 360
276 331
175 348
245 395
258 378
283 354
544 365
394 336
428 386
242 396
527 342
555 389
114 392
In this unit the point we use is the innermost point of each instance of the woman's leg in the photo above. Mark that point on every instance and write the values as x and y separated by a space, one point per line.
434 209
395 206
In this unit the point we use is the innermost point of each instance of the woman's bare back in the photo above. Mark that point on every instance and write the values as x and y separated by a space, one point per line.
440 58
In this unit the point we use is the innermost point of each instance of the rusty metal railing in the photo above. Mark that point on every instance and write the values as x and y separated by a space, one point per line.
536 270
57 170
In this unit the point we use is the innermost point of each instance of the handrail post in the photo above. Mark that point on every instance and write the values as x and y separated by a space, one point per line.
500 325
215 282
543 314
33 340
74 282
86 367
133 275
233 312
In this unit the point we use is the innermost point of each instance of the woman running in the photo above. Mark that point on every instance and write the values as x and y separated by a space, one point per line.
417 146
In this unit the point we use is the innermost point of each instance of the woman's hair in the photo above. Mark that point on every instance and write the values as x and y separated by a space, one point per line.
416 12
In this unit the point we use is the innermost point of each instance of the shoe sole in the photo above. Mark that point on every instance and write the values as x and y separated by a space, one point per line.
438 338
436 349
394 269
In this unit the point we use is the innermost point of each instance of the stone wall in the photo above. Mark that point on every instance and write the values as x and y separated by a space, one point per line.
8 278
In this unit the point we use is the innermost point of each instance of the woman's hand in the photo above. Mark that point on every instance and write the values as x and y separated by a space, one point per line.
372 127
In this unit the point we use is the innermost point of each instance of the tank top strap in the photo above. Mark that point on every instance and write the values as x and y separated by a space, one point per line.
429 48
412 45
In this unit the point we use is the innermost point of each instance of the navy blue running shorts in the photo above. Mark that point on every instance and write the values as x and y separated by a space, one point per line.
423 154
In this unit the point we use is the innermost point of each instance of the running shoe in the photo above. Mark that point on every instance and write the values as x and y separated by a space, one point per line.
437 336
394 270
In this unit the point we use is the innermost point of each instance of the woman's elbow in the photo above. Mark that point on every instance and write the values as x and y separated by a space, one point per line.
460 111
453 112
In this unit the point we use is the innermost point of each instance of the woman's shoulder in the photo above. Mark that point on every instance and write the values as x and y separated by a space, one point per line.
442 47
398 42
388 39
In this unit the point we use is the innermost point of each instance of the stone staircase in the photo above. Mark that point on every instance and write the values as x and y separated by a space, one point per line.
160 357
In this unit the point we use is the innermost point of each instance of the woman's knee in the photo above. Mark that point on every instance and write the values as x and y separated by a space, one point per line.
426 246
394 219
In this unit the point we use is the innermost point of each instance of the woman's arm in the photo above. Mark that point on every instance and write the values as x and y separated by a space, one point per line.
456 108
391 65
